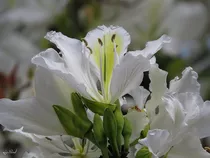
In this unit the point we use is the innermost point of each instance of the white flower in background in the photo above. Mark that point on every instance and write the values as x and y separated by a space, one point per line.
99 67
23 23
183 121
185 22
178 109
33 15
140 18
178 117
36 116
62 147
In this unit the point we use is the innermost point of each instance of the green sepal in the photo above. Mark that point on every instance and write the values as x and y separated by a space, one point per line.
144 153
78 106
72 124
98 107
110 128
120 124
145 131
127 131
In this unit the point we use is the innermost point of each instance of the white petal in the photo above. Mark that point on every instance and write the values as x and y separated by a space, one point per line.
71 49
140 96
153 47
203 124
157 142
158 87
53 144
128 75
192 104
31 115
37 115
189 147
138 121
188 82
38 152
101 31
50 59
52 89
170 116
174 109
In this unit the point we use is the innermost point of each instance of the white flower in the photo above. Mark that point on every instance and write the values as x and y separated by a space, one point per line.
36 118
99 67
36 115
62 146
185 22
183 122
178 116
18 46
185 39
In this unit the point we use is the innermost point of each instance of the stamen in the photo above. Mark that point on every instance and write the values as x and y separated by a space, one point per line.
113 37
101 73
137 109
48 138
91 52
100 42
116 56
207 149
83 40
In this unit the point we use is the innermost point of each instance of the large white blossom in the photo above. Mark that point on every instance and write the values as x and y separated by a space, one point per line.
99 67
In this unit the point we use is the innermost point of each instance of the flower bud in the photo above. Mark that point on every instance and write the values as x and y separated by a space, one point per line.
72 124
78 106
127 131
98 130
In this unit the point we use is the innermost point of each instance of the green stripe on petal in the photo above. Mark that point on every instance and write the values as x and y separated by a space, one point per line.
104 48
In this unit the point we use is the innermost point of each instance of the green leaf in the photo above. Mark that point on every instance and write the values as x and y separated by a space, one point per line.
72 124
78 106
98 107
110 128
144 153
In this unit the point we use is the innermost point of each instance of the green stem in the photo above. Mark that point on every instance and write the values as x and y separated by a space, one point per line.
119 141
126 144
105 152
115 148
90 137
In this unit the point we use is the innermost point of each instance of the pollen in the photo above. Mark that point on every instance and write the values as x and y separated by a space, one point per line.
113 37
100 42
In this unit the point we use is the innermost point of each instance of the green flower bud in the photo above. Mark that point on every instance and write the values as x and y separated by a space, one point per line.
72 124
78 106
98 130
98 107
120 124
110 128
144 153
127 131
100 135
